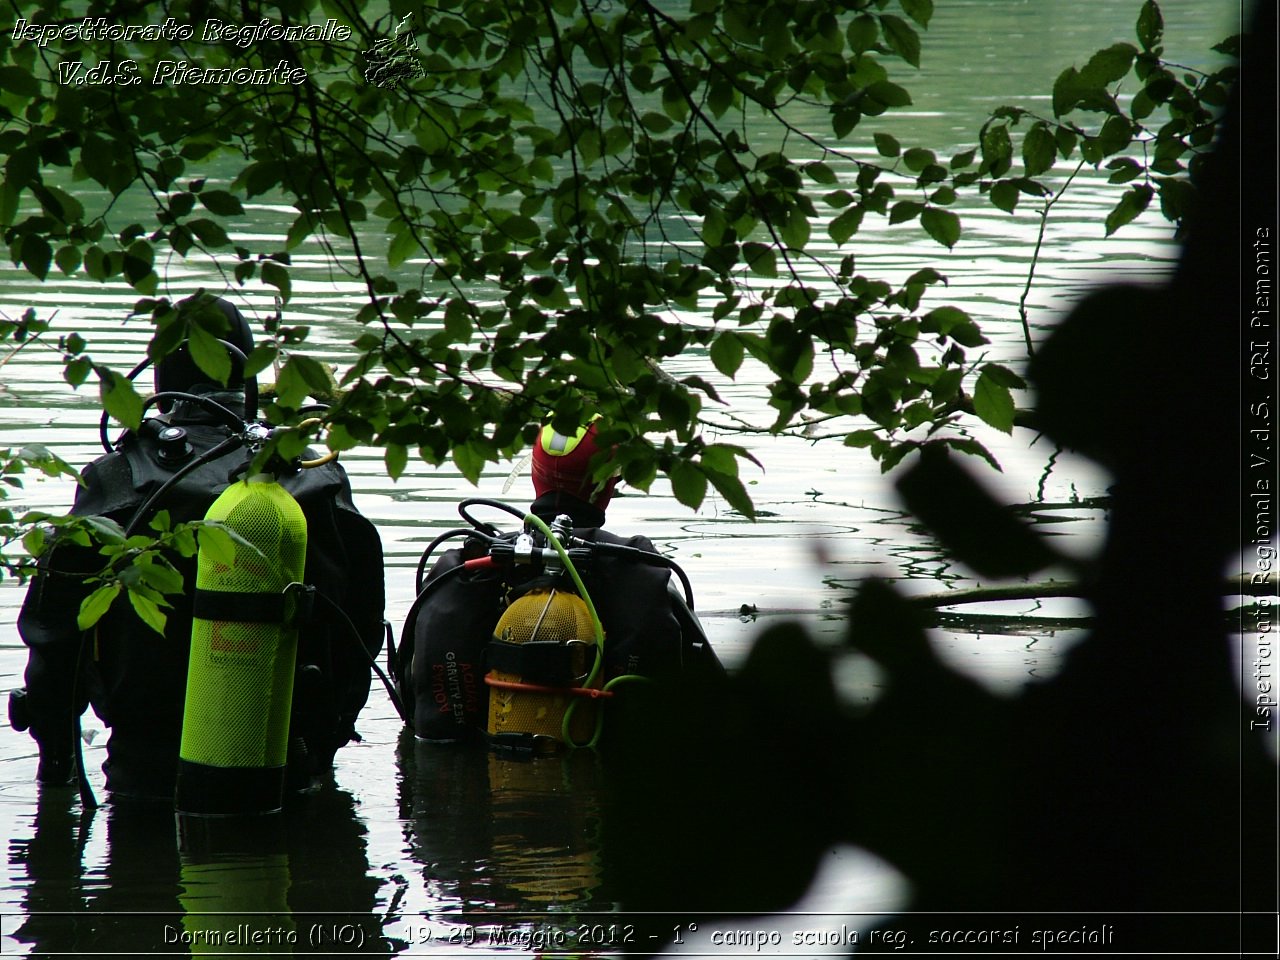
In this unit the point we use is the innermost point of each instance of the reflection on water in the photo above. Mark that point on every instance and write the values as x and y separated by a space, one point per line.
496 832
131 878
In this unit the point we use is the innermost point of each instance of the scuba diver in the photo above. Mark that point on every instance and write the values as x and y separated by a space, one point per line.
508 641
180 460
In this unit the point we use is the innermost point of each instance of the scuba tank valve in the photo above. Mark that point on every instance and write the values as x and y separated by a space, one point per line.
235 725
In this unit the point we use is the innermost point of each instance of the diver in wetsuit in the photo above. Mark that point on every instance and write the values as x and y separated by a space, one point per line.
134 678
649 629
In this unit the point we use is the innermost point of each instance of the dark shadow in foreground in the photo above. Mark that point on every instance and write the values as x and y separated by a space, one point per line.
1133 781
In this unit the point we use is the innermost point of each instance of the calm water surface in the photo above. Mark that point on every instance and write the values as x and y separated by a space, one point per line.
408 843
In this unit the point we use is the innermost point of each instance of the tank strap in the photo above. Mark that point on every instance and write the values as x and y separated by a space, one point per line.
546 662
291 606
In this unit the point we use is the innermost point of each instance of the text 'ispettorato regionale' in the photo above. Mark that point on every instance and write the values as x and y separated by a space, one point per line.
127 72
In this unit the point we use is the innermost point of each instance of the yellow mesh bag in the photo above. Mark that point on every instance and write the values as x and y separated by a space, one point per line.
240 675
544 615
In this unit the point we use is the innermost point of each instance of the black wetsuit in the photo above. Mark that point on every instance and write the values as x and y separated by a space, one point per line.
136 679
649 629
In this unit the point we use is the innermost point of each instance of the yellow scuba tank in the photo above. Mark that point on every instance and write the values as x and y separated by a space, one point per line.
542 653
235 725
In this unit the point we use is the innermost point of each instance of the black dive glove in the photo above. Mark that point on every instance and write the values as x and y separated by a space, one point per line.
57 754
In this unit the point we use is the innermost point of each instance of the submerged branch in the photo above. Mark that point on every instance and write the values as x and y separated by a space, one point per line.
1239 586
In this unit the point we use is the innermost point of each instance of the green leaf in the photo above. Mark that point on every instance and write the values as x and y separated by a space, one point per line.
262 357
1124 169
8 202
300 229
33 541
946 385
846 225
761 258
886 145
216 544
119 398
521 228
68 259
968 334
161 577
890 94
727 353
209 232
655 122
1134 201
993 402
688 483
258 178
221 544
1115 135
148 610
208 353
221 202
1066 140
917 158
20 81
701 383
318 377
1109 65
278 277
921 11
94 607
941 320
861 439
862 33
901 38
795 232
723 457
139 274
1150 27
1177 198
1004 194
942 225
1039 149
36 254
396 457
905 210
971 447
105 530
730 487
292 384
77 371
549 292
403 245
820 173
1068 90
1003 376
616 141
469 460
997 149
843 120
719 99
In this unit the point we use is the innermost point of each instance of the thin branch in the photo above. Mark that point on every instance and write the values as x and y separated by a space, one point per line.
1035 257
